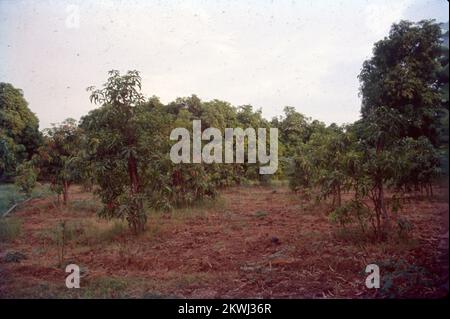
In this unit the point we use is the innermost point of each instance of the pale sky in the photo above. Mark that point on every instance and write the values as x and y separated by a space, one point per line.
270 54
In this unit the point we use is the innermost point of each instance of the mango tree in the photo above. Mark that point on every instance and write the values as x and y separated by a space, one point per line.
19 130
59 155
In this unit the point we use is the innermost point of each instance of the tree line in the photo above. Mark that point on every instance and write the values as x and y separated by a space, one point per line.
120 150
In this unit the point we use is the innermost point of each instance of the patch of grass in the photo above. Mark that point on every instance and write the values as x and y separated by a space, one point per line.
85 206
153 228
54 234
209 203
109 234
85 232
277 183
10 228
245 182
65 236
187 280
157 295
10 195
41 190
106 287
310 208
401 278
41 290
198 210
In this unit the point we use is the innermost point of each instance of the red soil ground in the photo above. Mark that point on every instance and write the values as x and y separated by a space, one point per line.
253 242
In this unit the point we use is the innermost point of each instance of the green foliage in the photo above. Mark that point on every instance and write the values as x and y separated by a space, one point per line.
10 228
82 233
9 151
442 114
393 145
301 173
116 134
19 133
26 177
389 159
295 131
401 75
129 149
400 278
325 162
122 147
398 131
85 206
106 287
418 164
352 212
10 195
59 158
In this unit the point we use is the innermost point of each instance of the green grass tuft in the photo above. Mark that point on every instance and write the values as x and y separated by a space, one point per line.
10 228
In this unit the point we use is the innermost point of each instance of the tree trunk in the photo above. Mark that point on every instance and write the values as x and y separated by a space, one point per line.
384 212
65 192
133 174
339 195
380 206
381 213
137 221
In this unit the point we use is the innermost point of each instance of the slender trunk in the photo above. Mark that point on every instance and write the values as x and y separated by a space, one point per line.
137 220
133 173
339 195
378 217
379 202
65 192
384 213
381 213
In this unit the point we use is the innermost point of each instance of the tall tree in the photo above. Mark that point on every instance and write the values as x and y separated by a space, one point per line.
401 101
19 130
443 76
116 129
59 156
402 75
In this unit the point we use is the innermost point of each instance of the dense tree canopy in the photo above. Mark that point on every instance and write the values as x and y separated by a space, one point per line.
402 75
123 146
395 143
59 157
19 130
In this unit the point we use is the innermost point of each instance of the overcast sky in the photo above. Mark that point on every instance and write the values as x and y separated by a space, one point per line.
270 54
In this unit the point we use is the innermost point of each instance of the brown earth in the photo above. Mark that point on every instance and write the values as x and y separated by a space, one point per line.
254 241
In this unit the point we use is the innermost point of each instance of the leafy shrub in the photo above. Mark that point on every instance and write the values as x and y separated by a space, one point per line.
26 176
401 278
352 212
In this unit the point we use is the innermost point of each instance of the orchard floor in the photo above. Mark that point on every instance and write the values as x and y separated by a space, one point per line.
253 242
